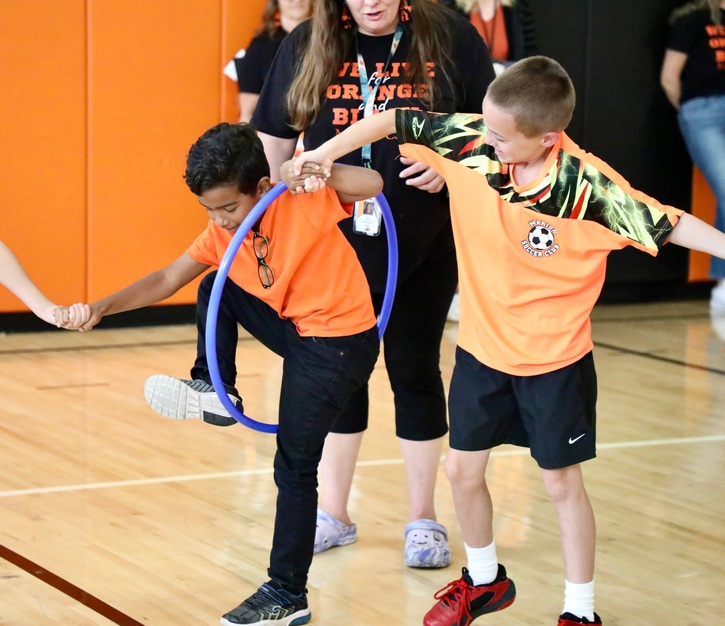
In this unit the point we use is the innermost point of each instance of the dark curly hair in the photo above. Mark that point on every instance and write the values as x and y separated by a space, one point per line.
226 155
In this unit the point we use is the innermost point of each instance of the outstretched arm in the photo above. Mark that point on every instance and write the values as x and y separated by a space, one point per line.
15 278
148 290
691 232
365 131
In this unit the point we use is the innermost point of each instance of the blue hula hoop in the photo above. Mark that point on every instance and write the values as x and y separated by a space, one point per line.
221 277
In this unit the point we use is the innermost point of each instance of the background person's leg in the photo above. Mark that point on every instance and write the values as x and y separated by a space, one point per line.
702 123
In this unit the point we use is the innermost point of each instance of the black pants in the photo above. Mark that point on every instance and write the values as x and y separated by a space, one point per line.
412 349
318 378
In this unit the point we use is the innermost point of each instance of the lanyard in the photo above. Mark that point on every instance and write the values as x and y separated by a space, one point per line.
368 91
490 37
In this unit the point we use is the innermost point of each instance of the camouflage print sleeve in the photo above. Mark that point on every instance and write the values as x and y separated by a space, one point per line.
577 186
581 187
459 137
596 192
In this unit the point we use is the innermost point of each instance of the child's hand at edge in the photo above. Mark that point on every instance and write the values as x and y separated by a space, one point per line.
47 313
314 183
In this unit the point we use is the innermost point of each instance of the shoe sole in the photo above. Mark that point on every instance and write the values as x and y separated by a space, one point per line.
173 398
296 619
415 563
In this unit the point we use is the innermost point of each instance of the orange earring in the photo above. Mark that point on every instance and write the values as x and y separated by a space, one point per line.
346 17
278 19
405 10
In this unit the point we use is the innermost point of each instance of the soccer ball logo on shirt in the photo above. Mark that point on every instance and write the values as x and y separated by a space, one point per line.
540 240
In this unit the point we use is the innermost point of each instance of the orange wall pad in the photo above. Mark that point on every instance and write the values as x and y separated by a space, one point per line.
703 206
43 147
105 97
153 88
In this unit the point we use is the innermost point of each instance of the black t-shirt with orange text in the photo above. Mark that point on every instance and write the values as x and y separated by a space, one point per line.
703 42
421 218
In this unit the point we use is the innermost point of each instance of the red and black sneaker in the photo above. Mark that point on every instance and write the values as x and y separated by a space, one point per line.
567 619
460 602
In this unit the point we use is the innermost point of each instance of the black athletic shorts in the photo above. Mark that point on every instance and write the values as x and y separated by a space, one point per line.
553 414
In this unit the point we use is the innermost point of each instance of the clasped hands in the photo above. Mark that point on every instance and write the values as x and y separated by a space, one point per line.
308 172
72 317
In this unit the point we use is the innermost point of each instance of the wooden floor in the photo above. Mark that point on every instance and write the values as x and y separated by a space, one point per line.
110 514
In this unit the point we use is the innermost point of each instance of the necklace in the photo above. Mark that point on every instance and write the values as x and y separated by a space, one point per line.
490 35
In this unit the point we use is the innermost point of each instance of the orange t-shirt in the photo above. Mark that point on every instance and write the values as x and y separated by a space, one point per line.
531 259
319 283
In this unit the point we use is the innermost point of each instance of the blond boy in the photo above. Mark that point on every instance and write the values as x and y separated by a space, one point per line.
534 218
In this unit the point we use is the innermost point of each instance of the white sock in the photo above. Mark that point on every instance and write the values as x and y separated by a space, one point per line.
482 564
579 599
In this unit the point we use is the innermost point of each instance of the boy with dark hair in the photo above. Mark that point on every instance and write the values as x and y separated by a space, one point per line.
524 197
296 285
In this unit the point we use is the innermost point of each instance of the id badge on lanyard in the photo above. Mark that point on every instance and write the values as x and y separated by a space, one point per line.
367 217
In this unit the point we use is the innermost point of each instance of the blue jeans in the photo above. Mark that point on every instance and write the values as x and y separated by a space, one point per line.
702 123
319 376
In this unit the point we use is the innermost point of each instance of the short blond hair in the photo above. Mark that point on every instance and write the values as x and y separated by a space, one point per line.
539 94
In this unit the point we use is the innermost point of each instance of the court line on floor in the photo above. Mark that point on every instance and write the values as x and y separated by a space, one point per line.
83 597
94 348
373 463
657 357
109 346
663 317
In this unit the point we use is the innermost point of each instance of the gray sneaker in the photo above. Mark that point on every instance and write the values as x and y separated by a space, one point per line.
188 399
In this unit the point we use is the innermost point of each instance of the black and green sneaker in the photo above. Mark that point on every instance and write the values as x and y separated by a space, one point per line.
270 605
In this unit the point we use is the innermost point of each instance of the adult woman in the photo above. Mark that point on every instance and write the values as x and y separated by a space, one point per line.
693 77
505 25
278 18
351 59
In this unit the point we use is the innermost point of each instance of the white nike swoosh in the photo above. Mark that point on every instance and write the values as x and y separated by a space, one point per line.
576 438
